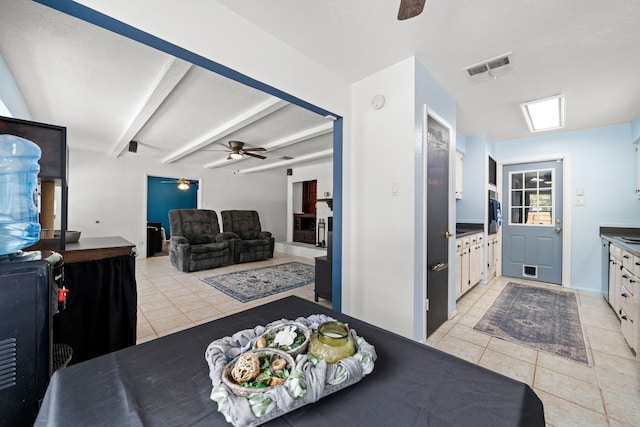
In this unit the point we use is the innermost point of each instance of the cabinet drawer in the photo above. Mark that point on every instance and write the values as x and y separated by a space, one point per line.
630 330
628 302
630 281
636 266
627 260
615 251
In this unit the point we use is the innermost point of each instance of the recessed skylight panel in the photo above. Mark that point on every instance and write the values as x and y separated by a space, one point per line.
544 114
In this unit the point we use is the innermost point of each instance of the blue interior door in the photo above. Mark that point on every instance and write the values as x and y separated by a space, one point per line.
532 221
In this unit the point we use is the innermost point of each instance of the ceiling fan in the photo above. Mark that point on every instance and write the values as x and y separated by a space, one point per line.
410 9
183 183
237 151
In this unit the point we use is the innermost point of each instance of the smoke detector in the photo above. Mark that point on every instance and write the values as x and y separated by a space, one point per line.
490 69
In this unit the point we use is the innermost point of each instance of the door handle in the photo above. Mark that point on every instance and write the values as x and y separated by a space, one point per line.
439 266
447 234
558 230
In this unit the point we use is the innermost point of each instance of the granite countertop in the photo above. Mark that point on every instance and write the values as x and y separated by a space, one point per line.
466 229
619 236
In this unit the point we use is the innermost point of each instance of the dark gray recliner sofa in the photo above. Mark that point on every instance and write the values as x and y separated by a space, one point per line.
254 244
196 242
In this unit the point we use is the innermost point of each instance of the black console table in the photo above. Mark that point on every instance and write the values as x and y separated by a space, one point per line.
323 278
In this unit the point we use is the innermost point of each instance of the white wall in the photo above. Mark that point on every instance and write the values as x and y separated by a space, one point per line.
382 231
107 196
11 101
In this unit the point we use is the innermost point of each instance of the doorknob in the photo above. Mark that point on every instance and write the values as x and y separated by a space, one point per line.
447 234
558 230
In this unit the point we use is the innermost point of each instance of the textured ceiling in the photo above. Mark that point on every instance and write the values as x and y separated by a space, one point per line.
587 49
109 90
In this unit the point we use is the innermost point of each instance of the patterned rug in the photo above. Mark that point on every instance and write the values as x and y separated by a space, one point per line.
253 284
538 318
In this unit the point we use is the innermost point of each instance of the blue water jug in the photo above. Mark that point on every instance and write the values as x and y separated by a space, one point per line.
19 226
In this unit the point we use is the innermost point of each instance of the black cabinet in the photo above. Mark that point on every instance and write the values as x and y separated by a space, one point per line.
304 228
154 238
323 278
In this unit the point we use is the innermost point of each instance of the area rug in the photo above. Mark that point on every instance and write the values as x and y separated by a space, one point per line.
258 283
538 318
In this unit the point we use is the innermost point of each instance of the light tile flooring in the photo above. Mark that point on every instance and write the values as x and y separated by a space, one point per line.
606 393
170 300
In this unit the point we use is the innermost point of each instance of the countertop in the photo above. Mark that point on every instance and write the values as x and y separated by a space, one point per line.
95 248
466 229
616 235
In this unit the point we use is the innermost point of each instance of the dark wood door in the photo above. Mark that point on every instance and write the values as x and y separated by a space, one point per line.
437 185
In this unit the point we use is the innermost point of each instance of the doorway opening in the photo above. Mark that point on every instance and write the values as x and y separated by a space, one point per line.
163 195
533 230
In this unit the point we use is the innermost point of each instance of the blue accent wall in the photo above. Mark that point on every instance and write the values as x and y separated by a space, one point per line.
603 163
635 130
471 208
162 197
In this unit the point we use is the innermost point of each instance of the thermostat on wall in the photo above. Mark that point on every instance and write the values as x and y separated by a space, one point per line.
377 102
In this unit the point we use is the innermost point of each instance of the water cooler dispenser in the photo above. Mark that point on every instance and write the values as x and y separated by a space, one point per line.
31 293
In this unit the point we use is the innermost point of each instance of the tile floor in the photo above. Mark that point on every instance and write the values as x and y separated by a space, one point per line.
606 393
170 300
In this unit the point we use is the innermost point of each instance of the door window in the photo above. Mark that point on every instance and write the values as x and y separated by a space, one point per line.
531 197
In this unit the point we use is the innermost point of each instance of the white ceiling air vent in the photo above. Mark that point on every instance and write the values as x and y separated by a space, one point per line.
490 69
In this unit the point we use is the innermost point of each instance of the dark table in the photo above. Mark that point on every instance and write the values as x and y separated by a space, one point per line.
165 382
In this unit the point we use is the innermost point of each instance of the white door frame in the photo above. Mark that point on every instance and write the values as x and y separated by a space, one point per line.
567 198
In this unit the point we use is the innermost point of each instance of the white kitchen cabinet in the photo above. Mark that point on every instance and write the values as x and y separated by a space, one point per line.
462 266
629 308
476 246
615 278
492 255
469 262
458 175
624 292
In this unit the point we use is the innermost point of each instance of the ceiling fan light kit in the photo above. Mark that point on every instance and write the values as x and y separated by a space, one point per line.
410 9
237 151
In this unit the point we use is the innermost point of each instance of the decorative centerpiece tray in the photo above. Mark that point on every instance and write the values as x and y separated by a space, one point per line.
309 380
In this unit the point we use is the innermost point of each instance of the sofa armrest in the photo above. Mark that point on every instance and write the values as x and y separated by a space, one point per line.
264 235
179 240
227 235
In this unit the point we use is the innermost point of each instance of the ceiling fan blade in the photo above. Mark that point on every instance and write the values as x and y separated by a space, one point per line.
257 156
255 149
225 146
410 9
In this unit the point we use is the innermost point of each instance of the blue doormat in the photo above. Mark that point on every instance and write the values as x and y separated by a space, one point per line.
258 283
